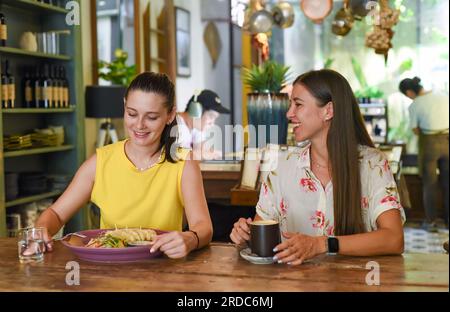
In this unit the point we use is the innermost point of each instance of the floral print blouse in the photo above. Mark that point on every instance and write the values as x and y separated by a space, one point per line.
292 195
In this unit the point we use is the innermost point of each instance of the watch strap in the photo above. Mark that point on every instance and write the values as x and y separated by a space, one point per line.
332 245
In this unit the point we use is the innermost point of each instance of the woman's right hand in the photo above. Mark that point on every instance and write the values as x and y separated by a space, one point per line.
241 231
33 247
48 240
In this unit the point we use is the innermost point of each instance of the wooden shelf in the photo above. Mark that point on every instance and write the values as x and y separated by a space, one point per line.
17 51
158 60
41 150
158 31
29 199
37 110
34 5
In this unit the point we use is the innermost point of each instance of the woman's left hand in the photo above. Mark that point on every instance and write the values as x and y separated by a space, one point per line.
175 244
298 248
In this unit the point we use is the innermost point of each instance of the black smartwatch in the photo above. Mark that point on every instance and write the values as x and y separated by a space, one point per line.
332 246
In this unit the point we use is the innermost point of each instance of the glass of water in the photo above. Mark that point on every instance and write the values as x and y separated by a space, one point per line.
31 245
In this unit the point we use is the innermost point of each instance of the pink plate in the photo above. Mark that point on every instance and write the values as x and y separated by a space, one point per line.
126 254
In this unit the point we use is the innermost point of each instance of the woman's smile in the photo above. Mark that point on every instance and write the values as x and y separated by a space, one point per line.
141 134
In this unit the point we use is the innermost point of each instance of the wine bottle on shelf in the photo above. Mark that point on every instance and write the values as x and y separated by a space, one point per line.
61 87
47 89
27 86
37 88
11 86
65 87
3 30
4 84
56 86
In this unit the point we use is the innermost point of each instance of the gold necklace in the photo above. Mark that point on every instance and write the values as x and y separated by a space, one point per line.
316 164
151 164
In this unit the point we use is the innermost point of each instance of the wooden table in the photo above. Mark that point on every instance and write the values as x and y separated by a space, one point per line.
220 268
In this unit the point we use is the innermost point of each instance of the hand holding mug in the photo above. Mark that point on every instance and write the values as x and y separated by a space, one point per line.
299 247
241 231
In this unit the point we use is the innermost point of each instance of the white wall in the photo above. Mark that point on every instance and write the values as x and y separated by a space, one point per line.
186 86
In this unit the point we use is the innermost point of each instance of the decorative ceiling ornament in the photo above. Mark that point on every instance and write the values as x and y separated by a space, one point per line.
316 10
261 43
380 37
283 14
254 6
360 8
343 21
260 22
211 37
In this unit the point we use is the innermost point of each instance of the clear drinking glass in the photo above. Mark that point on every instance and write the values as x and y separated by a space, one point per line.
31 245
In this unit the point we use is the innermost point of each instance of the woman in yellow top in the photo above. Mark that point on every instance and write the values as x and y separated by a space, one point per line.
144 181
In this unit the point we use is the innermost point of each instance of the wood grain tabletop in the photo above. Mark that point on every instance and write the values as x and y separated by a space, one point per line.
219 267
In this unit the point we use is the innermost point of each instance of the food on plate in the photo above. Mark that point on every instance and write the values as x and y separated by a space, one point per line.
120 238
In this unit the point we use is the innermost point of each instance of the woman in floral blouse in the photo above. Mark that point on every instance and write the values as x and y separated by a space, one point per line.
337 185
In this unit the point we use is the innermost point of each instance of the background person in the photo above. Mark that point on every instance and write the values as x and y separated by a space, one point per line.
200 116
428 114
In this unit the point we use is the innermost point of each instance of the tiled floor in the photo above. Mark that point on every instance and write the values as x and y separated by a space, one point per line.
421 241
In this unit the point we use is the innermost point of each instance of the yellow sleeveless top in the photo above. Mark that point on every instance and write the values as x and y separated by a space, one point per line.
128 197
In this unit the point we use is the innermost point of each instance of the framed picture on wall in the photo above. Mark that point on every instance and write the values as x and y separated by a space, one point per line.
183 41
250 169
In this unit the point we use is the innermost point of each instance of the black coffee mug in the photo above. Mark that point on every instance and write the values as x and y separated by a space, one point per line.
264 236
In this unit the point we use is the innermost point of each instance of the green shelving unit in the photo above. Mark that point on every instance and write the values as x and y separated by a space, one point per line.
34 16
29 199
38 110
39 7
36 151
16 51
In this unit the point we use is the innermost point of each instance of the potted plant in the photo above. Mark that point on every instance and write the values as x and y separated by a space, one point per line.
266 104
106 101
117 71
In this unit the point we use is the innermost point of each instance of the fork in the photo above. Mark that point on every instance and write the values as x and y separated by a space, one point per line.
67 235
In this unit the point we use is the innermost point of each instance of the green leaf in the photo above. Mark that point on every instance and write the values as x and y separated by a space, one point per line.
117 71
328 63
359 73
268 77
405 65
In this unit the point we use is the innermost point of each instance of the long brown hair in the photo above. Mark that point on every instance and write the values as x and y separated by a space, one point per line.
161 84
347 131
